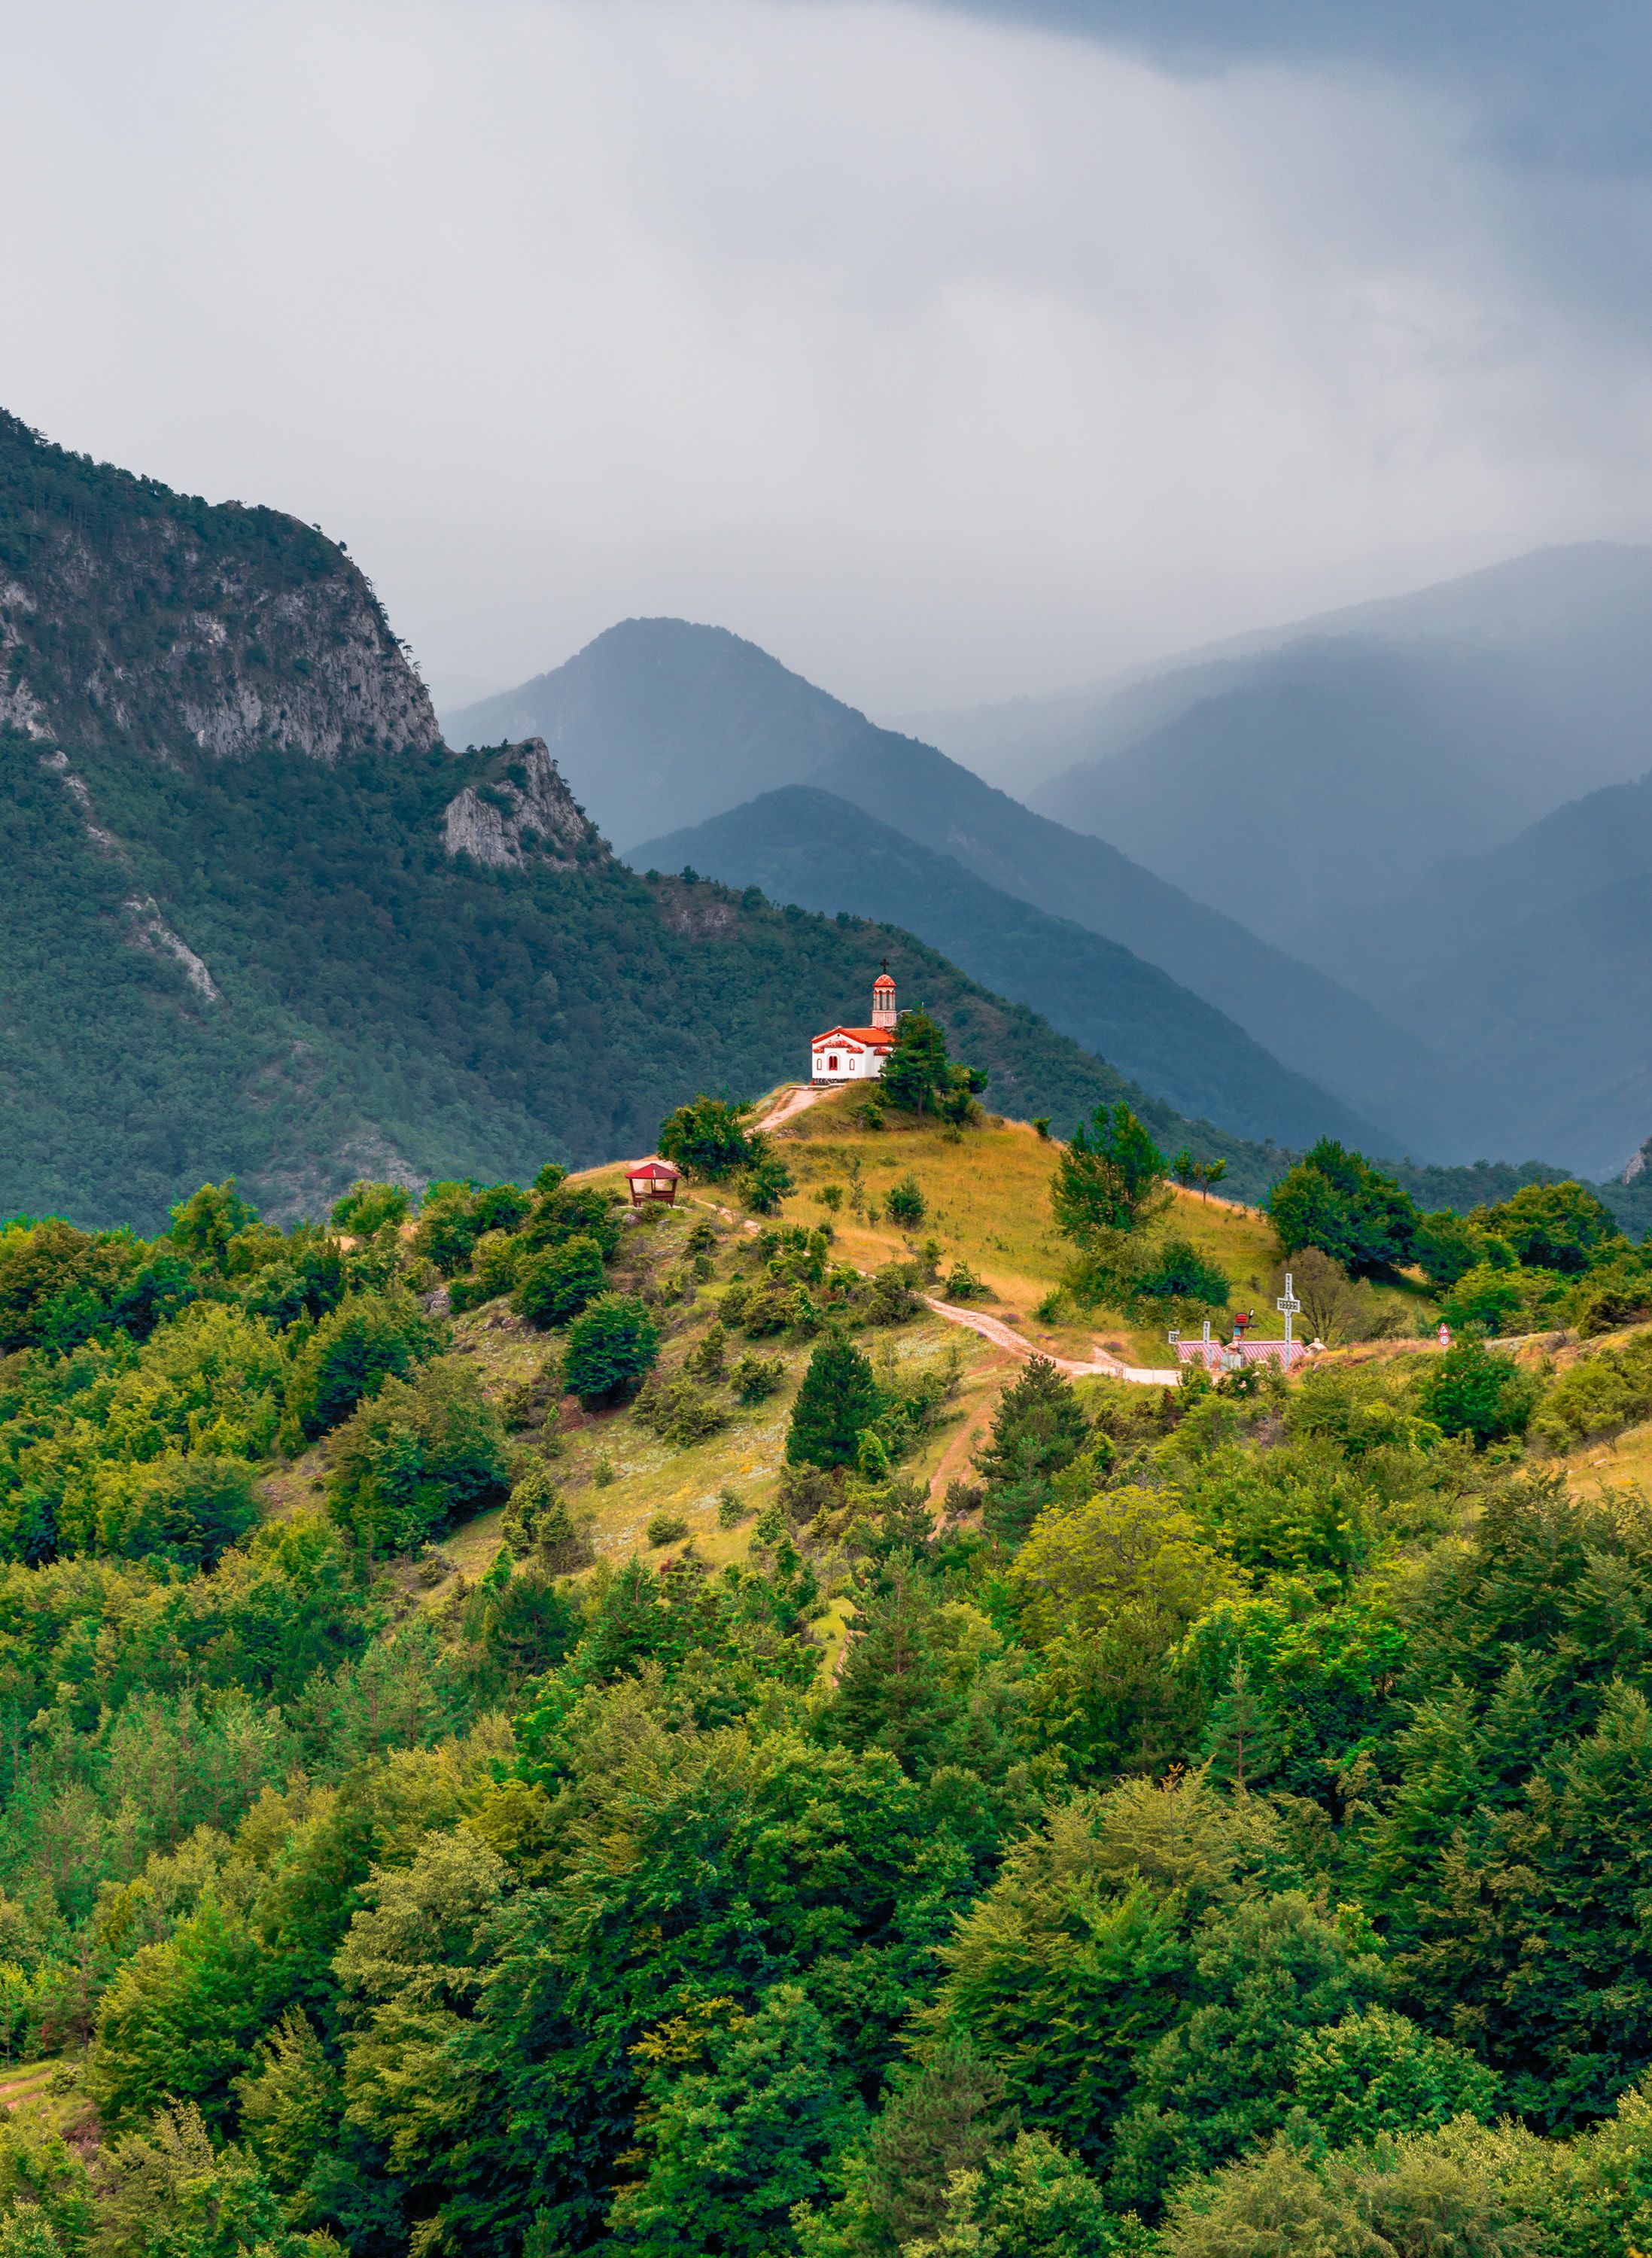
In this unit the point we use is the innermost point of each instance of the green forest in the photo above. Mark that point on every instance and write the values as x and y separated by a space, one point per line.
1224 1829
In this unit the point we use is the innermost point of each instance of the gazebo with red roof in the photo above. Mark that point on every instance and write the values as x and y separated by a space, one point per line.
653 1179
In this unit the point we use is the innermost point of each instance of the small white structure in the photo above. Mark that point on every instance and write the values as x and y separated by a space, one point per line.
857 1053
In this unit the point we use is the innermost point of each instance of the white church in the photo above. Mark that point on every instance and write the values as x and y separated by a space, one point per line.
857 1053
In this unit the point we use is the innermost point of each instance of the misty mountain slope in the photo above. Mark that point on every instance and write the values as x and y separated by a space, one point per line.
1338 772
1549 599
800 845
1551 1018
1339 768
1590 843
658 713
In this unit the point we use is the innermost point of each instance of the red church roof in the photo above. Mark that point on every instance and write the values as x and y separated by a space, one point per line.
879 1039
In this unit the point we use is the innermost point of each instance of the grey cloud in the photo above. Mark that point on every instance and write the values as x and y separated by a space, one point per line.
1561 86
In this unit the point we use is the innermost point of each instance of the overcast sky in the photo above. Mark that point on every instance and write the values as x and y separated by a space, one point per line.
947 352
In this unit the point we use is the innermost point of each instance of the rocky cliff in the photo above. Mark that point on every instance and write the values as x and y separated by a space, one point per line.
131 615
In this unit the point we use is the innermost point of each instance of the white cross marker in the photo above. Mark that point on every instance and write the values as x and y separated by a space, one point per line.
1287 1302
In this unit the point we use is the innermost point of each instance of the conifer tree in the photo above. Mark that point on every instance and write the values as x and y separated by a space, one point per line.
837 1402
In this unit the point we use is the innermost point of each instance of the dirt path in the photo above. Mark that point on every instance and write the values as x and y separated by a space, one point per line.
995 1331
794 1103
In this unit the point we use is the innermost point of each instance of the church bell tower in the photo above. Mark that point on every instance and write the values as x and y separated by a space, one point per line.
883 1013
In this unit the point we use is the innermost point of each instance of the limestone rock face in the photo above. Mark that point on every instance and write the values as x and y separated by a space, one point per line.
132 615
523 812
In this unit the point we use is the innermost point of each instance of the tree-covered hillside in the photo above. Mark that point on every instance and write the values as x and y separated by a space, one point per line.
382 1003
1205 1821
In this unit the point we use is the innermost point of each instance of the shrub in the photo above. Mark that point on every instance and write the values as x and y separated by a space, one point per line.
368 1207
679 1411
574 1212
553 1287
730 1510
447 1230
962 1284
188 1510
888 1298
1336 1200
1486 1297
707 1137
611 1345
1378 2073
706 1358
1472 1390
539 1520
903 1203
1600 1393
756 1377
765 1184
667 1529
1177 1272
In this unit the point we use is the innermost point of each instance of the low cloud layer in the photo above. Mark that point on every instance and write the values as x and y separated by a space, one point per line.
946 351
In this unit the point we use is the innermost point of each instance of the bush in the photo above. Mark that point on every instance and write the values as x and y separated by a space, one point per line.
553 1287
903 1203
538 1519
1177 1272
679 1411
961 1284
367 1207
447 1231
1485 1297
188 1511
1335 1200
611 1345
765 1184
756 1378
667 1529
888 1298
1471 1390
574 1212
1600 1394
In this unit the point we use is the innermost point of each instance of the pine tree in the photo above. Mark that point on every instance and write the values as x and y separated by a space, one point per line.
838 1400
1038 1429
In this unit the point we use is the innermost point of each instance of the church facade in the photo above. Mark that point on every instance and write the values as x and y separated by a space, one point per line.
857 1053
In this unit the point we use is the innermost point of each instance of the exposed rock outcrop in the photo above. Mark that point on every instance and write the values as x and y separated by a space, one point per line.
521 812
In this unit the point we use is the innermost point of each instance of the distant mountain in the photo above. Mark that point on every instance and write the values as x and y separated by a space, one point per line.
661 722
657 715
1281 776
256 918
1532 966
1463 905
810 847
